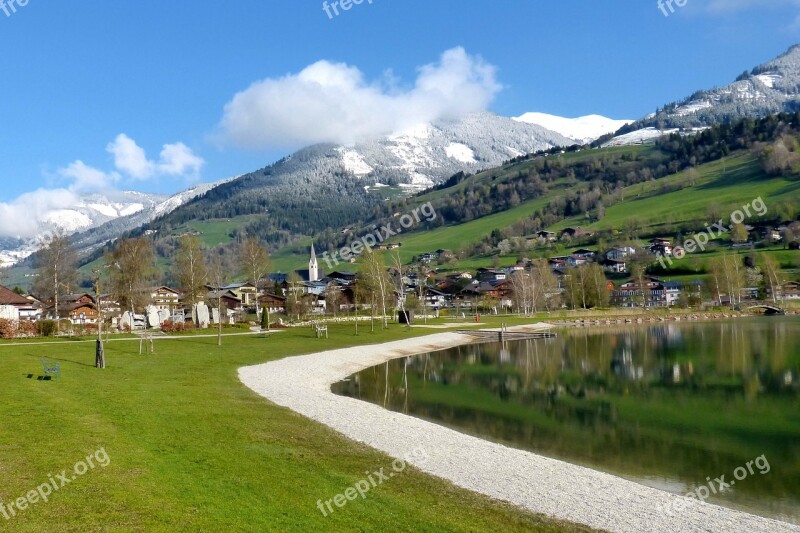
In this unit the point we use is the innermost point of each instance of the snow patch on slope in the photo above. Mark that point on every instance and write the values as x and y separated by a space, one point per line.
769 79
460 152
355 163
584 129
638 137
693 107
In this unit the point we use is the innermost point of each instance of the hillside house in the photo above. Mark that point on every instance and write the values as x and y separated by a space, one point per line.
614 266
619 254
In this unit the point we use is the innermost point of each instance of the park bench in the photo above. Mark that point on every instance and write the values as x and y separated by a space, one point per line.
320 329
51 369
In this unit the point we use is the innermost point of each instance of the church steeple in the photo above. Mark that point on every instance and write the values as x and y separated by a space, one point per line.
313 266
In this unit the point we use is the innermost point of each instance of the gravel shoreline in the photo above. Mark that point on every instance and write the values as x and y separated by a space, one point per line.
535 483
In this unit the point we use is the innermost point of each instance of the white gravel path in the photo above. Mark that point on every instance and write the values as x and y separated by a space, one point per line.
536 483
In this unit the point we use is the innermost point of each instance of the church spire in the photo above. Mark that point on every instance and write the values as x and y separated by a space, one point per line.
313 266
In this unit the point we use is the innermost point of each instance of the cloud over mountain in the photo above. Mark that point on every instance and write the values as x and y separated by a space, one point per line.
334 102
26 215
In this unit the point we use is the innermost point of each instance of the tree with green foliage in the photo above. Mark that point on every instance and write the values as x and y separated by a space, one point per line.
739 233
264 318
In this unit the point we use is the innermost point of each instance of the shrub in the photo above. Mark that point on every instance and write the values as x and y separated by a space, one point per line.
46 327
27 329
170 326
8 328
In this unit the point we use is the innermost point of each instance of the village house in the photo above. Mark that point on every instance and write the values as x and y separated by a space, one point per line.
651 292
576 232
491 274
245 291
546 236
621 253
273 303
614 266
28 308
78 308
165 298
789 290
229 298
585 254
661 247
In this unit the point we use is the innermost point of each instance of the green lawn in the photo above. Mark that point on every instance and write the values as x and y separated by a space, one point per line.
192 449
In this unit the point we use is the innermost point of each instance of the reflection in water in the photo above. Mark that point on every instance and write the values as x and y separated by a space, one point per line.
668 405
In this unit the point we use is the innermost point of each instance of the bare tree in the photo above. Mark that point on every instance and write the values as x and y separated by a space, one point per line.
132 270
376 280
58 272
423 271
253 262
771 270
638 274
717 277
190 269
548 283
295 304
399 283
100 354
333 297
216 272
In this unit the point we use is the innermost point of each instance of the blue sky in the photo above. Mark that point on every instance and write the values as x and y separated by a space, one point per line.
131 94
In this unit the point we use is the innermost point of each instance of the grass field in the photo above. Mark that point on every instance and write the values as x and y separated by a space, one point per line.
192 449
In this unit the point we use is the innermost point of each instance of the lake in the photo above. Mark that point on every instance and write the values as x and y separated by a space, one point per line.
670 405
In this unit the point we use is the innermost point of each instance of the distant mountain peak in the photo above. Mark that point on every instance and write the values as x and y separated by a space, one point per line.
582 129
769 88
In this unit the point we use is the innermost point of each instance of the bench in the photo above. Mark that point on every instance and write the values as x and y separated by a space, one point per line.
51 369
320 330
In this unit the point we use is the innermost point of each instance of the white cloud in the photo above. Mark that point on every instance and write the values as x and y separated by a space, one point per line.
333 102
726 6
86 178
25 216
131 164
175 160
130 158
179 160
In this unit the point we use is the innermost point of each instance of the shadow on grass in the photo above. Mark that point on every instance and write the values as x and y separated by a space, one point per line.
38 378
51 358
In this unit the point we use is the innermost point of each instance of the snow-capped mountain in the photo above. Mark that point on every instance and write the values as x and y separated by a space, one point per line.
98 216
770 88
583 130
329 186
429 153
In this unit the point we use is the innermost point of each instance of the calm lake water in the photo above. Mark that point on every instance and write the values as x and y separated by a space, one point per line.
672 405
